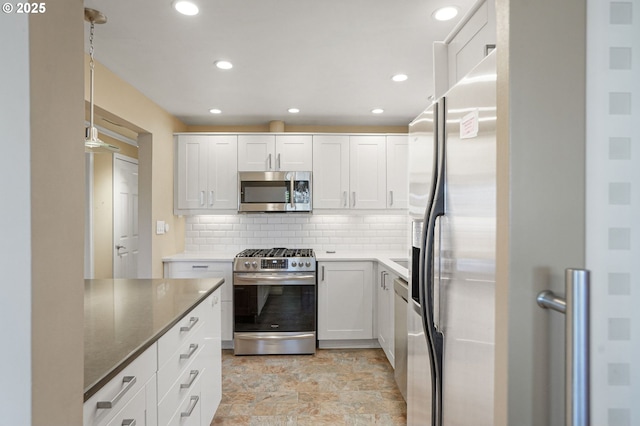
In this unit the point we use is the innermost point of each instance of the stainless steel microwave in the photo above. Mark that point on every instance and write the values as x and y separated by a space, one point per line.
274 192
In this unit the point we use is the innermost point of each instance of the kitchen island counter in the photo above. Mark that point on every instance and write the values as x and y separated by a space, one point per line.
123 317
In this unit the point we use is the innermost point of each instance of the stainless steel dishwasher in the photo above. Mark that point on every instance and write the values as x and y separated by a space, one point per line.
400 300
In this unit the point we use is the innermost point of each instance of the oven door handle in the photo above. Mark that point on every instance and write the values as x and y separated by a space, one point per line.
281 336
259 279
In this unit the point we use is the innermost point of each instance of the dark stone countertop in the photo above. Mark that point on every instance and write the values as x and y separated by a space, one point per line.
123 317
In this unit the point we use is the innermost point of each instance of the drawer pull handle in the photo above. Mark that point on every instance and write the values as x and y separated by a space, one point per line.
192 406
130 381
192 349
129 422
193 375
200 266
192 322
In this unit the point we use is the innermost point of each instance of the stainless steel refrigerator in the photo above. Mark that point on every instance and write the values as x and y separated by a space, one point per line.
452 204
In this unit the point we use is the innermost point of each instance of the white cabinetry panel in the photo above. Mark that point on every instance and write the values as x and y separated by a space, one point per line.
256 152
209 269
385 311
293 153
345 300
330 171
207 172
368 172
397 171
274 152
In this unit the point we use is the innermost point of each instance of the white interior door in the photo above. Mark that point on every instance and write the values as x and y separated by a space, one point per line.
125 217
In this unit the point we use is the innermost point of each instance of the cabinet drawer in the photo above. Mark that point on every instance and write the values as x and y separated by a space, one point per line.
120 389
204 269
180 334
178 399
180 360
133 413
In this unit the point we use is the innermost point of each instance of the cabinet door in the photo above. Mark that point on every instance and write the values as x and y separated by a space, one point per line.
345 300
293 153
397 171
384 313
330 172
222 182
368 172
209 269
256 152
211 390
192 171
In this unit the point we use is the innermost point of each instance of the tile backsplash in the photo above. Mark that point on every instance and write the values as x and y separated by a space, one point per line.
320 232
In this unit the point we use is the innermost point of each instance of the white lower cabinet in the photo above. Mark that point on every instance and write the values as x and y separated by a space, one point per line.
209 269
385 311
129 386
345 300
176 381
189 378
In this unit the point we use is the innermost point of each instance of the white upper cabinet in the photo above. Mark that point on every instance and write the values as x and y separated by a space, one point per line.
294 153
397 172
207 172
330 171
367 172
274 152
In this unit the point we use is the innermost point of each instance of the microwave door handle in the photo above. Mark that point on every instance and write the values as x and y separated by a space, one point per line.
291 183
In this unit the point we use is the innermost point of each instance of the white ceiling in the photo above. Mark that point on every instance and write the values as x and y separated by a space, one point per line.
332 59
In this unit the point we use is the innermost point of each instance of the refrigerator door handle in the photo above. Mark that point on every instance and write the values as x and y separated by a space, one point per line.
435 341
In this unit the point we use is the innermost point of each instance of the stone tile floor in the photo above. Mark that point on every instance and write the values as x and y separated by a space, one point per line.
332 387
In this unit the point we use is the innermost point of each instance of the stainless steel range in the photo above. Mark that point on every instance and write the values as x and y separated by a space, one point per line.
274 301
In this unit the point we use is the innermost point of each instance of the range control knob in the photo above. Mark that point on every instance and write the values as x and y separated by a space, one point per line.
246 265
308 264
254 264
294 264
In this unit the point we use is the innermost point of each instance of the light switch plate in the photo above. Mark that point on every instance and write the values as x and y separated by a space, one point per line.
160 227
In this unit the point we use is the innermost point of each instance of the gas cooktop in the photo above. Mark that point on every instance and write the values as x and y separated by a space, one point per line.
276 252
275 259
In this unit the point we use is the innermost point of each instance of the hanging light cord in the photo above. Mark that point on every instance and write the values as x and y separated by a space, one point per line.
91 67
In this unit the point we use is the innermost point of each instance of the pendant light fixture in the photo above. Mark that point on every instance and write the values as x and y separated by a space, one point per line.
91 141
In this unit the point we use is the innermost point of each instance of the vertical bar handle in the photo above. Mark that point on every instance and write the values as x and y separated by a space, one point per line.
577 347
577 329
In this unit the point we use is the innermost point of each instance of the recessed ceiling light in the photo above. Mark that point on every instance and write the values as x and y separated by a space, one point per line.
377 111
293 110
224 65
399 77
215 111
445 13
186 7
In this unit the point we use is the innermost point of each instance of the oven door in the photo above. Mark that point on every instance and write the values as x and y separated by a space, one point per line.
274 302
